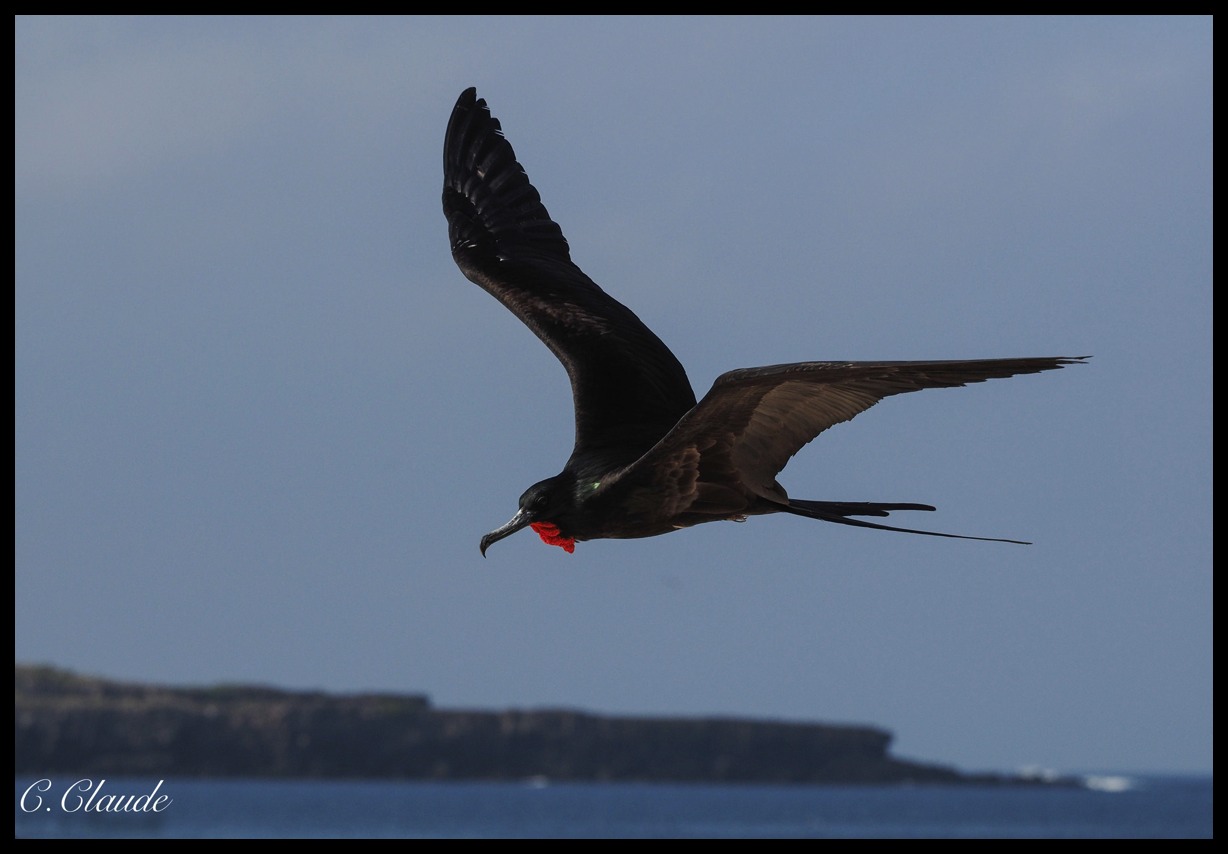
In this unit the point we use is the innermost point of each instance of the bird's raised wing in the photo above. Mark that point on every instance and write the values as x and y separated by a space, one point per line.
753 420
628 388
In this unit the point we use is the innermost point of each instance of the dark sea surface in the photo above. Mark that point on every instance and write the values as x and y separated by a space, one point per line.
1113 806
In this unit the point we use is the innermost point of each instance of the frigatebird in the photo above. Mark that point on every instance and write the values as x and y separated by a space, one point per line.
648 459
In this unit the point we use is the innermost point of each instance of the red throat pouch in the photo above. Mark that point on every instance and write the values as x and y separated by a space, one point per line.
551 537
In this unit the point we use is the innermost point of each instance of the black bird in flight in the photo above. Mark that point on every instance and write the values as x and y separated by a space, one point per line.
648 459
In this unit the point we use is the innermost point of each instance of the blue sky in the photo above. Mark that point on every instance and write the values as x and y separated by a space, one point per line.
262 420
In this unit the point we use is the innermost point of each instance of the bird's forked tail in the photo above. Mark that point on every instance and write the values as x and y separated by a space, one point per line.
840 511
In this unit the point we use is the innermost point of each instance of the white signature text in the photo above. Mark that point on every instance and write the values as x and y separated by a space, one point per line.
84 796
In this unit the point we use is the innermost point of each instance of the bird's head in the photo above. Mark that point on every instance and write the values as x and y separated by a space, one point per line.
544 507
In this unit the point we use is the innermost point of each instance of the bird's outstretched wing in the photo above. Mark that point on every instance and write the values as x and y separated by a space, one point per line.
628 388
743 432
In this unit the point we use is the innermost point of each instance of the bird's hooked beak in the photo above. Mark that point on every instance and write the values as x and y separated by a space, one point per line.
520 520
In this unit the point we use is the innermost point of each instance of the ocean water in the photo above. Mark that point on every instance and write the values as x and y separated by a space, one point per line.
1117 806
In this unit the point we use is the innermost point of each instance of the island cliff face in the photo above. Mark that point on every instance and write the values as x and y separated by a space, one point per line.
71 724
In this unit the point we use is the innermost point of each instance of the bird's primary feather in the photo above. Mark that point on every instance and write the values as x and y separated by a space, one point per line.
628 388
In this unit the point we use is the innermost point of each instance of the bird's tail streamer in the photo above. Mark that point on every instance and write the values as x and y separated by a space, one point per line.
840 511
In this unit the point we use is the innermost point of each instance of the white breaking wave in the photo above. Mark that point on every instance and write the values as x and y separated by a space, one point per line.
1108 783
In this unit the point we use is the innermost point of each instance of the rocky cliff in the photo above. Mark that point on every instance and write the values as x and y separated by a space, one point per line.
69 724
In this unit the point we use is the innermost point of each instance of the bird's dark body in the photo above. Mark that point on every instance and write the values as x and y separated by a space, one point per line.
648 458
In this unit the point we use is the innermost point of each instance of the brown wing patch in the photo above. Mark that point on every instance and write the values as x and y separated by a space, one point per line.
786 418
